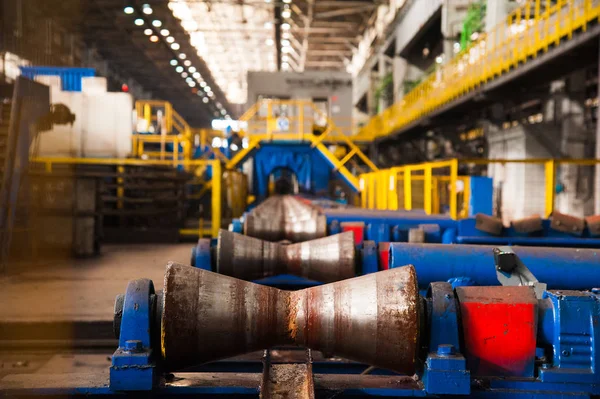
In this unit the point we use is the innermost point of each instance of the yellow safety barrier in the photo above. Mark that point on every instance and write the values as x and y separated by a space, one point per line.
171 128
214 184
432 186
412 187
529 30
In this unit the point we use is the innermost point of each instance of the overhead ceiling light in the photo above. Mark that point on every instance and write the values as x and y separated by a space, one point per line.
192 84
285 42
170 39
285 65
205 100
146 9
173 62
286 13
286 49
269 42
285 26
164 32
128 10
187 63
179 69
206 88
148 32
153 38
287 1
182 56
139 22
196 75
286 35
192 69
175 46
156 23
223 112
184 74
203 84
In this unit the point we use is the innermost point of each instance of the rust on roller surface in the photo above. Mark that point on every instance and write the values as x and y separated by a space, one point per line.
371 319
528 225
567 223
488 224
325 259
284 217
593 223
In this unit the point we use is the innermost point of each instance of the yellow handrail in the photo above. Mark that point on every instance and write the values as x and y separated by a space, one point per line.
382 189
530 29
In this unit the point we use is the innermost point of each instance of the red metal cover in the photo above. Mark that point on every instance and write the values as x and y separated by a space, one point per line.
384 255
499 329
358 228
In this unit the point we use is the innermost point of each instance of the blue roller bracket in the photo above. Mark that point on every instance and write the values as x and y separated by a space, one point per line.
134 362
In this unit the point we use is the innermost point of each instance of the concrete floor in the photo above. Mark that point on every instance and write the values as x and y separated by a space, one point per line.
77 290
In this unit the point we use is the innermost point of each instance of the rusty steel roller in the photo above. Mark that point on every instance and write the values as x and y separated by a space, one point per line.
325 259
372 319
285 218
278 229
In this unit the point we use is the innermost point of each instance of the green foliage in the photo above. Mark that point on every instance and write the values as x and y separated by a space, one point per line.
474 22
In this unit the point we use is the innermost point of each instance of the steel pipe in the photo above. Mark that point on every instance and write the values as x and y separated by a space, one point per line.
560 268
208 316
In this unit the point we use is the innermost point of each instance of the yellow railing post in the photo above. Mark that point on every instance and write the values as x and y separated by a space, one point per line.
393 190
148 115
427 188
363 191
385 187
371 191
407 188
453 195
435 196
176 152
216 198
550 169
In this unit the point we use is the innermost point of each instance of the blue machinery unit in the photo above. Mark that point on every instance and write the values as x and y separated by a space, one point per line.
517 340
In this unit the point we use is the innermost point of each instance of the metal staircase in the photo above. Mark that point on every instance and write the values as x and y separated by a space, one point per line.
266 128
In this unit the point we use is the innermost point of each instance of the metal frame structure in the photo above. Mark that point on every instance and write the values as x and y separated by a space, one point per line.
214 185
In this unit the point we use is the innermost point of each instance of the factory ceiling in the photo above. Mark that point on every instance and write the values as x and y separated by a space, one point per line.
237 36
196 53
